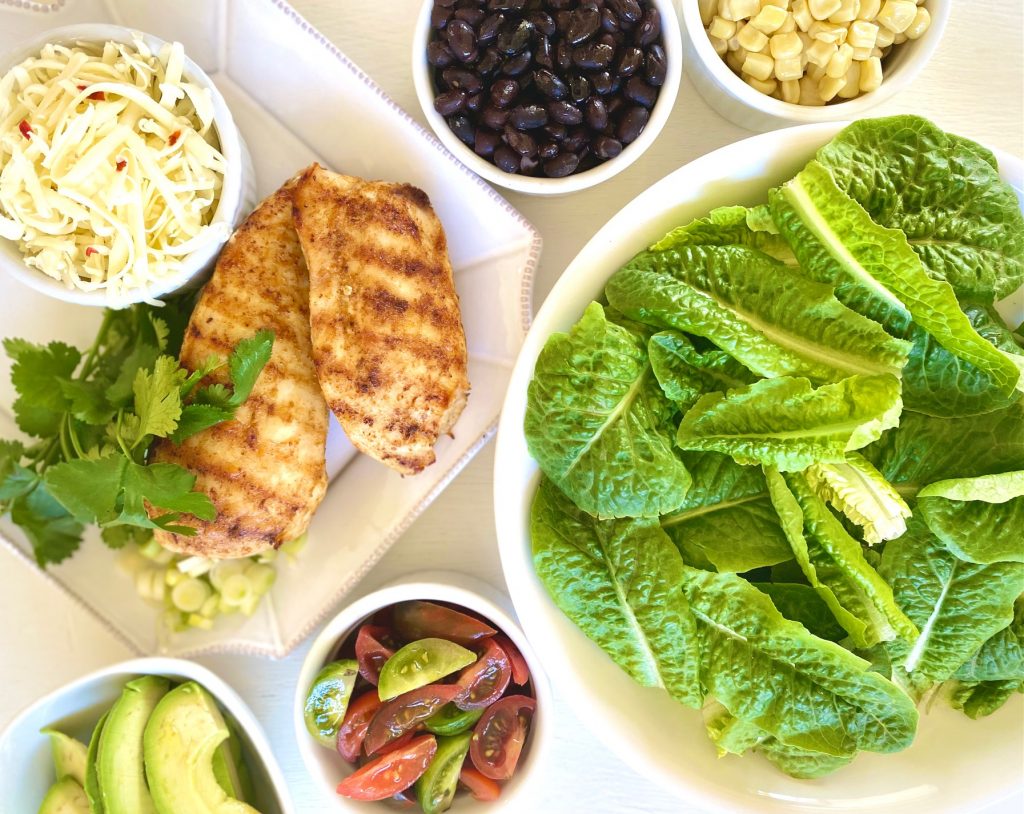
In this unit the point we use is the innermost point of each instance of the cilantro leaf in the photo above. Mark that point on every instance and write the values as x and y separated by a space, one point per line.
36 375
164 486
198 417
88 489
210 364
10 453
88 401
120 536
17 482
142 356
247 361
54 534
158 397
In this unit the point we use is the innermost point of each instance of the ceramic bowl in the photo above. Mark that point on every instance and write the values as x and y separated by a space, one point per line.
236 198
25 754
327 767
747 107
424 83
658 737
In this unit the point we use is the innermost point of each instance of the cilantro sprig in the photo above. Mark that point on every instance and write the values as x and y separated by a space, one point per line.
94 417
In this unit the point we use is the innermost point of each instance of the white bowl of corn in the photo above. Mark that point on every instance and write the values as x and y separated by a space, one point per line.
771 63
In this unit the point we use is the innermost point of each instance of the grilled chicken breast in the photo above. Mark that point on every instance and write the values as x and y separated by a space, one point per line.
388 343
265 469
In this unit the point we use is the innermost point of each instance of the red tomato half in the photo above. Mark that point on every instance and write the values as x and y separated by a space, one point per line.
402 714
353 728
423 620
520 670
390 773
482 788
483 682
499 735
371 652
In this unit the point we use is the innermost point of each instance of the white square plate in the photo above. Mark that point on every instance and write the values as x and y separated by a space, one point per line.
297 99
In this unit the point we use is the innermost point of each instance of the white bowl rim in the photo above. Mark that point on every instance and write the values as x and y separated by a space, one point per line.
445 586
225 695
508 443
847 110
540 185
231 147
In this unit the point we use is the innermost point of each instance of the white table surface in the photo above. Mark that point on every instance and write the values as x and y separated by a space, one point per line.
973 86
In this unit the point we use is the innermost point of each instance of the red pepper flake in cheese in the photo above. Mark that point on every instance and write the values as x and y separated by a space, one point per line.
99 96
173 139
89 251
120 165
24 128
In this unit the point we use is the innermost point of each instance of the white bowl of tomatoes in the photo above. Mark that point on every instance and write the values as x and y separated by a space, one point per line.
423 694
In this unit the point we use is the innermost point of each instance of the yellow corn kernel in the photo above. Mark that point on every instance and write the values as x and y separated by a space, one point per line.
752 39
722 28
885 38
828 32
823 9
821 53
738 9
840 63
809 93
766 87
780 3
860 54
829 86
869 9
899 39
802 15
788 69
721 46
862 34
769 19
790 91
851 82
920 24
787 27
708 9
734 40
816 72
897 15
759 66
877 52
734 59
847 12
870 75
784 46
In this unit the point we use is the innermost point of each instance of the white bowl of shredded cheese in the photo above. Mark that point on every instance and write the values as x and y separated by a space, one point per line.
121 170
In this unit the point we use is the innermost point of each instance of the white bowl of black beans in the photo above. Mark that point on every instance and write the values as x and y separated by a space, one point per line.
547 97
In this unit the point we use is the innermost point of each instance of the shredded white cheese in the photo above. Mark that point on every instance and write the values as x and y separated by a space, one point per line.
110 167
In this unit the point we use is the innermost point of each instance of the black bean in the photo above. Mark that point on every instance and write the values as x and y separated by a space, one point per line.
489 62
605 147
461 79
560 4
504 92
439 16
632 124
548 149
523 143
527 117
556 131
614 104
543 22
525 80
461 39
439 54
575 141
596 113
655 66
513 36
626 10
450 102
462 127
488 30
543 55
529 165
579 88
473 16
563 19
475 102
506 160
506 5
583 23
565 113
609 22
638 91
513 66
561 165
605 83
563 55
486 142
444 3
549 84
629 61
649 29
592 56
494 117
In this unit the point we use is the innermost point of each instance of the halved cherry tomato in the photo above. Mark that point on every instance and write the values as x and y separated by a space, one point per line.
390 773
401 714
391 746
482 788
371 652
499 736
423 620
357 720
483 682
520 670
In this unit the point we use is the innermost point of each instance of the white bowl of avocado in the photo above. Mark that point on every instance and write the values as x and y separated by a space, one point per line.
147 736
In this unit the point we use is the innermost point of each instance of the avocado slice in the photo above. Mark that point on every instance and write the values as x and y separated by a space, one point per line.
119 759
66 796
92 778
69 756
180 740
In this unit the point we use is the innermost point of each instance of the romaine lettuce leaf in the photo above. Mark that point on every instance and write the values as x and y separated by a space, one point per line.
726 521
943 191
978 519
787 423
770 318
599 425
1001 658
769 671
978 699
833 563
801 603
619 582
729 226
685 373
803 764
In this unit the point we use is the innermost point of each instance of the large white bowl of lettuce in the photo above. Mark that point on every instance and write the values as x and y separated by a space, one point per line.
759 483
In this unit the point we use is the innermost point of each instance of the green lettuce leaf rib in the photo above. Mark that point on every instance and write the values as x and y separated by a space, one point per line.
619 582
787 423
599 425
